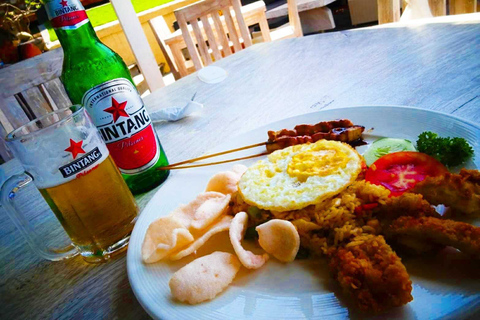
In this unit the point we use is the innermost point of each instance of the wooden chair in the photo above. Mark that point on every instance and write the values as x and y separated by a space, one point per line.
390 10
172 43
313 15
161 32
220 45
462 6
30 89
291 29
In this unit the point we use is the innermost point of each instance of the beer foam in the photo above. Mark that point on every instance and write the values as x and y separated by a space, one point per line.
43 158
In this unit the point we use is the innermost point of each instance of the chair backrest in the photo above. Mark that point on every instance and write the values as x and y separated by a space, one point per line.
30 89
161 31
204 10
390 10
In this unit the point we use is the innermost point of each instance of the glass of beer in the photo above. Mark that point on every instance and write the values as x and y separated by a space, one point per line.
67 160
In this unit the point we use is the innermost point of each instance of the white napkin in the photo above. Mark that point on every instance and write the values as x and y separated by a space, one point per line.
176 113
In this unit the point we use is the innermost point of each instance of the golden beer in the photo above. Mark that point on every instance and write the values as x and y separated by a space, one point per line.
96 209
64 155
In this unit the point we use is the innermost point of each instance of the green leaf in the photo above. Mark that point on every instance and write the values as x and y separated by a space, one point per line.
449 151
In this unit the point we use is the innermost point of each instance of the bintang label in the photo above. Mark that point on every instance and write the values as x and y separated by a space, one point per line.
86 156
81 163
120 116
66 14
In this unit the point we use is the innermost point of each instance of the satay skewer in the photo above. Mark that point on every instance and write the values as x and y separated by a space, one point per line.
341 130
175 166
171 166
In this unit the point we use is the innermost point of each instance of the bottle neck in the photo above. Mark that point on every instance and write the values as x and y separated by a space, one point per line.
81 37
71 23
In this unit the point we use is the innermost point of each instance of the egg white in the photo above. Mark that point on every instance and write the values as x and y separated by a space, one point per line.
268 184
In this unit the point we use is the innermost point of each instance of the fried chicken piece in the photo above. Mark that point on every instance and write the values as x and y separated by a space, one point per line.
460 235
372 273
460 192
408 204
472 175
412 205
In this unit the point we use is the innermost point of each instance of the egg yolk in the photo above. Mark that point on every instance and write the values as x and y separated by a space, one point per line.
316 163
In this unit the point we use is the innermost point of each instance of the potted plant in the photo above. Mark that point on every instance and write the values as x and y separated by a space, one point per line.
15 30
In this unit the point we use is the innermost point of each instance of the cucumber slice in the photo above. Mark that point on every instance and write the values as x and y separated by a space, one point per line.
384 146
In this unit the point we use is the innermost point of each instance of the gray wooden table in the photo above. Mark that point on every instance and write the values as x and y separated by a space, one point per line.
433 66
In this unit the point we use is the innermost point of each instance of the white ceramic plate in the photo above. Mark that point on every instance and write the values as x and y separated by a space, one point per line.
443 286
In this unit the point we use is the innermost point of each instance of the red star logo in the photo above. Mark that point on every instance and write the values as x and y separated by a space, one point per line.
63 3
117 110
75 148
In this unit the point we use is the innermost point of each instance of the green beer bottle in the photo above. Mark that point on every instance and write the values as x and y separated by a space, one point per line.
97 78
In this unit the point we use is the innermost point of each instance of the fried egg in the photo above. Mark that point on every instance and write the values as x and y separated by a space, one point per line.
300 175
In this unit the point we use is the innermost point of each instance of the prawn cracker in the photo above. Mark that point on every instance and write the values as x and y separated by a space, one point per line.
236 233
222 225
203 210
163 236
279 238
204 278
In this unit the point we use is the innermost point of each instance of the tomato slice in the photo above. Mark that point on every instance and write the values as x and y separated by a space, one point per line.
401 171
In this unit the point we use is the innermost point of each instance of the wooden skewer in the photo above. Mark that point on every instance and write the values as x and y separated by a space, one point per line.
177 165
170 166
211 163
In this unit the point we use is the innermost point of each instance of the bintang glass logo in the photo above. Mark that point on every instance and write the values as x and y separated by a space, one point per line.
82 163
75 148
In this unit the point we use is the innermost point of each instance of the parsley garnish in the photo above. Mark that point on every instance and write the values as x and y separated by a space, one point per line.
449 151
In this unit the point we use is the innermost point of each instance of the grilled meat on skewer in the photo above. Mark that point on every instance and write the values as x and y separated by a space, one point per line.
339 130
